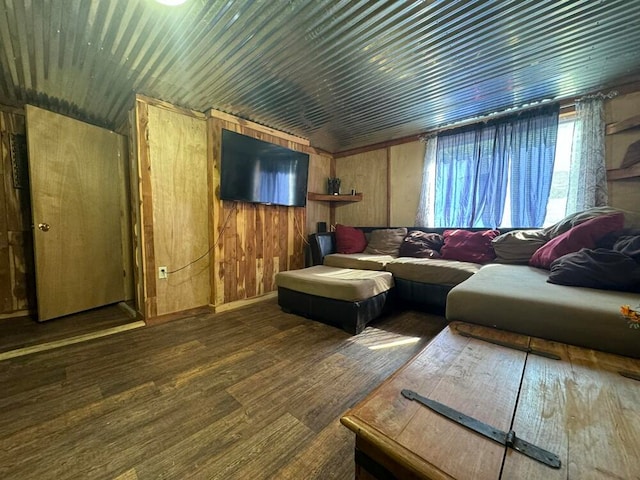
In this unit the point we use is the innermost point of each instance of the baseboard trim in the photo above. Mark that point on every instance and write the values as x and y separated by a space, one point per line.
243 303
20 352
16 314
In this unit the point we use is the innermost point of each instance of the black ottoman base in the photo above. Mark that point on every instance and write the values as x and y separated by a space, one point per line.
352 317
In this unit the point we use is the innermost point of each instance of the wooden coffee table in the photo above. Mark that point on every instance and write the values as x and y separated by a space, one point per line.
578 407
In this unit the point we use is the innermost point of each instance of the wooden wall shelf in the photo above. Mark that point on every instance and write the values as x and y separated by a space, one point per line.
324 197
628 124
620 173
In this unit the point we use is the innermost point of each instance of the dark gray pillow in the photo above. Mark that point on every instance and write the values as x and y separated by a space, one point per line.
599 268
628 245
421 245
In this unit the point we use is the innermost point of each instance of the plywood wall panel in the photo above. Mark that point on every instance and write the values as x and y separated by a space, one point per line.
143 157
405 182
179 189
258 241
625 193
366 173
319 171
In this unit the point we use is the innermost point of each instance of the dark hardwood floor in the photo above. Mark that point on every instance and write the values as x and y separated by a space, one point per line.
248 394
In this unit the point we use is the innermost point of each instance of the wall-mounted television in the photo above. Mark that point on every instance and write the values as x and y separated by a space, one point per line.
260 172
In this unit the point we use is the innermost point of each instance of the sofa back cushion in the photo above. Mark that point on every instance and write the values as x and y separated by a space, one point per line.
386 241
350 239
518 246
467 246
421 245
584 235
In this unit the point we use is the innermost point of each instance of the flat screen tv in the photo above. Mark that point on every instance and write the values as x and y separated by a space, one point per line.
260 172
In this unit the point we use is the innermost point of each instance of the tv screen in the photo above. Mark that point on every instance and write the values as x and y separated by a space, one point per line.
260 172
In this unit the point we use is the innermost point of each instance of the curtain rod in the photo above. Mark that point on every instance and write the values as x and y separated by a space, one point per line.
567 105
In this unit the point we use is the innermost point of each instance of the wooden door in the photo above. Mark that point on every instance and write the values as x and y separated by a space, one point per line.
75 195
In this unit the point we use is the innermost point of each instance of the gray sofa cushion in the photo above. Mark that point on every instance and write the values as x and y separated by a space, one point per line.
432 270
362 261
519 299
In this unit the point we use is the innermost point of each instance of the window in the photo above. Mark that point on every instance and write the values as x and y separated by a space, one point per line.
492 174
557 203
556 207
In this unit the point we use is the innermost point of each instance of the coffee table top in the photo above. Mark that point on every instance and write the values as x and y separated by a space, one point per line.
579 408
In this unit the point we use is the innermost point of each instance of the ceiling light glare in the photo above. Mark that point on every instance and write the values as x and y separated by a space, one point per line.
172 3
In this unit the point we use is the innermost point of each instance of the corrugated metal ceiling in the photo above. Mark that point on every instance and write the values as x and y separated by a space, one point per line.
341 73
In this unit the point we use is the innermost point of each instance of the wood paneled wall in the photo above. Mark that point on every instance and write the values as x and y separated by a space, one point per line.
17 271
623 193
405 182
320 168
173 209
390 179
252 242
366 173
222 254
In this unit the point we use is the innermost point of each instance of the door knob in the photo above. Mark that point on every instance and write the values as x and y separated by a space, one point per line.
44 227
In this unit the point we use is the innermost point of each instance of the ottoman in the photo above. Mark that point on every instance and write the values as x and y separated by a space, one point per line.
342 297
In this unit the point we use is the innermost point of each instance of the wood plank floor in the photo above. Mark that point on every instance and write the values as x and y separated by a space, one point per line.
24 332
252 393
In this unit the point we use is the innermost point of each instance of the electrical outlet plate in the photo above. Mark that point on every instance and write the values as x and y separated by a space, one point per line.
162 272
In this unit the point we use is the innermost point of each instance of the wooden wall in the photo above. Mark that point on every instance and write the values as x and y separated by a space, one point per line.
405 182
173 209
17 271
320 169
624 193
367 173
222 254
390 179
252 242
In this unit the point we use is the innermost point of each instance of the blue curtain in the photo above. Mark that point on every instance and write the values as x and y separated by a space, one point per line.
456 166
475 165
533 153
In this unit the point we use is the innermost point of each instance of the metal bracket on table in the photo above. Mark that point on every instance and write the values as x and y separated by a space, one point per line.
503 438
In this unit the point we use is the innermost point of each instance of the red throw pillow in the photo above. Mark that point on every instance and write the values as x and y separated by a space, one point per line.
467 246
350 239
584 235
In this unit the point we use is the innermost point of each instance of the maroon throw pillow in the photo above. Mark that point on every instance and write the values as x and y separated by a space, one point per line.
585 235
350 239
421 245
467 246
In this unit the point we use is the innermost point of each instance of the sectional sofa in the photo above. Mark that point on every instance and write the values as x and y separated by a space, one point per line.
513 295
